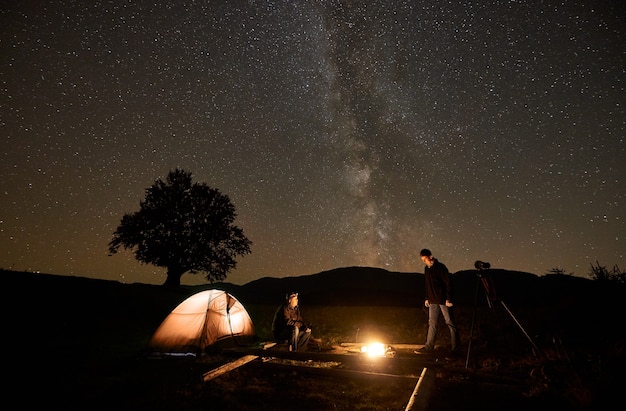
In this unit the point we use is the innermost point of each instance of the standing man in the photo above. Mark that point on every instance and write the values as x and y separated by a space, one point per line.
439 297
288 324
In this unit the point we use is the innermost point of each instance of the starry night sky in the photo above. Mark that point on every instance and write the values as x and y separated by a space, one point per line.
346 133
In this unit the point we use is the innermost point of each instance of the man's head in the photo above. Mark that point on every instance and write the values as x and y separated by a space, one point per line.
292 298
427 257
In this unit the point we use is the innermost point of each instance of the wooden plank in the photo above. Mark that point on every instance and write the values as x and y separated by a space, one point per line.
403 360
421 394
228 367
330 371
397 346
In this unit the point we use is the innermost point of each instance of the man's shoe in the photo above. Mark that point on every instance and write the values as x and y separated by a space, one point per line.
423 350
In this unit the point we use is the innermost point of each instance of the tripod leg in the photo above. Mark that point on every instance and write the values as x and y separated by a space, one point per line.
469 344
520 327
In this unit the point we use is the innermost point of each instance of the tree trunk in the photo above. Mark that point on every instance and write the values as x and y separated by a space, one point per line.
173 278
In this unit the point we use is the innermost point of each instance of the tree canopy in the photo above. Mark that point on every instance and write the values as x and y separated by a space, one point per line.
184 227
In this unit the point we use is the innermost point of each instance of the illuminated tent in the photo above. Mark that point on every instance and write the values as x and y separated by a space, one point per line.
207 318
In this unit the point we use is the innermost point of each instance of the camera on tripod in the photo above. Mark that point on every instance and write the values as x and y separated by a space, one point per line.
481 265
490 292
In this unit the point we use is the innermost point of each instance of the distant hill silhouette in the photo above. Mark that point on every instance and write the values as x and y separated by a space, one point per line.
340 286
376 286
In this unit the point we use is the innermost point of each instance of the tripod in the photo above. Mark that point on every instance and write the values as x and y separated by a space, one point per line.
490 293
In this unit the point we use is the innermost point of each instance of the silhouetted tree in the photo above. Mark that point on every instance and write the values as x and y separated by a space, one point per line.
183 227
601 273
559 271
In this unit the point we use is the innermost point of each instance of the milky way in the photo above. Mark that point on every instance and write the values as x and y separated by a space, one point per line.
346 133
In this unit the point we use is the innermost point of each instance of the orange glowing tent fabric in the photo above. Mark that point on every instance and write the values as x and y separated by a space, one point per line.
205 319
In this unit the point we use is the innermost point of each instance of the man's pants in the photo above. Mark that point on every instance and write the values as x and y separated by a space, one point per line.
299 339
433 318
